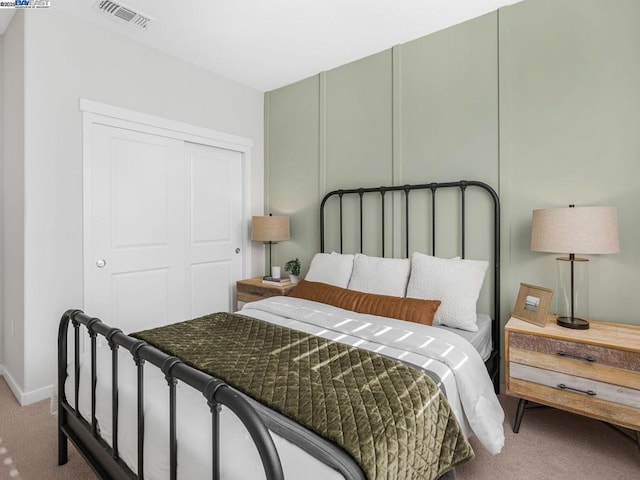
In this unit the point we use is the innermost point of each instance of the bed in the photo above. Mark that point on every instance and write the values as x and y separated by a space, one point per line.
106 393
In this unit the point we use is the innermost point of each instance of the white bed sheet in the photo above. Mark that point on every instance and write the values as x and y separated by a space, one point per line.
450 356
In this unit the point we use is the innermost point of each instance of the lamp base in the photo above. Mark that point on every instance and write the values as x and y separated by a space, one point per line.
575 323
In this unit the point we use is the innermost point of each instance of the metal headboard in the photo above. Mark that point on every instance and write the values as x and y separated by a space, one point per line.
493 363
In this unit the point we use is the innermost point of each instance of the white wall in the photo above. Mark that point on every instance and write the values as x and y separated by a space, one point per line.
66 60
13 199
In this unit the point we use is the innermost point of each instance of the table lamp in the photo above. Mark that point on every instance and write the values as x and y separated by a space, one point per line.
270 229
574 230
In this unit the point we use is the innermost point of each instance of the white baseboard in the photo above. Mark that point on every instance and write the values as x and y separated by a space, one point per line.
13 385
25 398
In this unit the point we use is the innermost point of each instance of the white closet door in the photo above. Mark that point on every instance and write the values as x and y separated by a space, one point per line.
162 223
214 209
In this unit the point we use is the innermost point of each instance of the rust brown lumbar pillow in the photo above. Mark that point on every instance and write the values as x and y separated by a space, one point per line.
409 309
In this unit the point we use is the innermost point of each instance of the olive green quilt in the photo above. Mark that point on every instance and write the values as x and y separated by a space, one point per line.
391 418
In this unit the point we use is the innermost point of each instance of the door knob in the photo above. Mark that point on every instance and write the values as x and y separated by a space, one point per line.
101 262
237 250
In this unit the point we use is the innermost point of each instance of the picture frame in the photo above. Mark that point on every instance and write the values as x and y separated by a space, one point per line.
532 304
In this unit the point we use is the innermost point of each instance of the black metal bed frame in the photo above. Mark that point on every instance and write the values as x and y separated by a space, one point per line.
493 362
104 458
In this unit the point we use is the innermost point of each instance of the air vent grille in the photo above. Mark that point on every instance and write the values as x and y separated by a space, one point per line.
124 14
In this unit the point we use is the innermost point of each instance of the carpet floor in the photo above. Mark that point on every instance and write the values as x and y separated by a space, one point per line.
29 443
551 445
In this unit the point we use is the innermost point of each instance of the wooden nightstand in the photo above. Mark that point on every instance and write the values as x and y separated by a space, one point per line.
594 372
253 289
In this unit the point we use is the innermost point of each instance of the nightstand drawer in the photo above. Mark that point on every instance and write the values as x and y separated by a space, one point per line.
248 297
577 351
616 413
574 384
574 366
258 292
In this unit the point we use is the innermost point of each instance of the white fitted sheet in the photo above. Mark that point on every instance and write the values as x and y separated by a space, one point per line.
481 340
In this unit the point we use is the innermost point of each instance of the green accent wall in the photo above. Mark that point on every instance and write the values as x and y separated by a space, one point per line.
292 170
570 134
540 99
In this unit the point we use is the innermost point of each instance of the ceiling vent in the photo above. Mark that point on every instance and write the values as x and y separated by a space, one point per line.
125 14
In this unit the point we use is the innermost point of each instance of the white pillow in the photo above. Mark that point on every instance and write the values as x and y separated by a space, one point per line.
383 276
455 282
332 268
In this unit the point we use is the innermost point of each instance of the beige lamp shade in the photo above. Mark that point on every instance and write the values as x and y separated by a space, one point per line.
272 228
581 230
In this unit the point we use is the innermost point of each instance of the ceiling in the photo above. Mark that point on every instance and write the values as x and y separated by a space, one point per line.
267 44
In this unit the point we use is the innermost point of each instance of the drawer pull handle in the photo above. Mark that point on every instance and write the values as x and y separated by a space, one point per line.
591 393
565 354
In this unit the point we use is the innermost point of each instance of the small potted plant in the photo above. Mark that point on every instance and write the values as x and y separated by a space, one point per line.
293 267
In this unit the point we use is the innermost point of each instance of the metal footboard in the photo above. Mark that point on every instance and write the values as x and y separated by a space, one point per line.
105 458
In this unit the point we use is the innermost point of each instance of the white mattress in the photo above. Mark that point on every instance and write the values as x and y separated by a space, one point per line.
466 381
481 340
